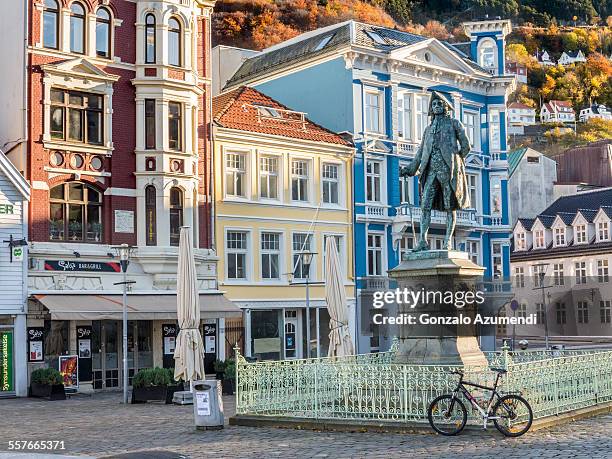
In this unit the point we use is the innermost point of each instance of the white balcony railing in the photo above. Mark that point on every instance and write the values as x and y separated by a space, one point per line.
464 217
374 210
407 147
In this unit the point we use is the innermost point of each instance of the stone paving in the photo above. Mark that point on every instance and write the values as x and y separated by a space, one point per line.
100 426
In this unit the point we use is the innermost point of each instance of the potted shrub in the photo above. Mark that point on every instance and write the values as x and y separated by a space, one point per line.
175 386
47 383
150 384
229 377
219 366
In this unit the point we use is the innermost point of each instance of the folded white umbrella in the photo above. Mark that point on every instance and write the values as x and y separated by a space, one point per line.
189 351
340 342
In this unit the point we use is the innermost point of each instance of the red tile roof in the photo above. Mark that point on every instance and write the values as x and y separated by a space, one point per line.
244 109
519 105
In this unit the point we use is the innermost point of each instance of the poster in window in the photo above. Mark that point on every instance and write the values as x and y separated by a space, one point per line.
209 344
69 369
84 348
496 197
169 344
35 344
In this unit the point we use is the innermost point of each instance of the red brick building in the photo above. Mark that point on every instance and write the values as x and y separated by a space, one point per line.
116 146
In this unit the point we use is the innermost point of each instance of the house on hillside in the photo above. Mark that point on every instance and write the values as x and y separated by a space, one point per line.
375 83
571 57
518 70
595 111
543 58
519 116
557 111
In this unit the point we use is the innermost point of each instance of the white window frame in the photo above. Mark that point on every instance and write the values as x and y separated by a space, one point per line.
380 96
470 244
308 177
536 239
373 176
313 265
581 233
279 252
380 234
405 115
341 252
495 141
603 271
406 186
580 272
267 174
500 256
558 274
338 181
559 237
476 187
421 115
520 240
603 227
472 130
227 170
247 255
519 277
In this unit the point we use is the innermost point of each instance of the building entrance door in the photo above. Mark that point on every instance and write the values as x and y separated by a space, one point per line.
105 354
140 346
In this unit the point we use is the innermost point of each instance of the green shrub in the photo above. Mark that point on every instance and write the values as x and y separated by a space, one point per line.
170 372
149 377
219 366
47 376
230 369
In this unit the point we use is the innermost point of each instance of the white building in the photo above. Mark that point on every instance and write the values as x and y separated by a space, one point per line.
225 61
557 111
519 116
544 58
595 111
571 57
14 197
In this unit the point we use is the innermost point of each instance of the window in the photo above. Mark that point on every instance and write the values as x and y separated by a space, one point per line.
405 185
561 313
376 37
150 142
497 259
603 231
519 277
176 215
374 111
373 177
299 180
237 246
559 237
580 272
487 56
602 271
330 183
151 215
268 177
174 42
270 255
472 181
473 250
540 314
539 239
323 43
494 130
76 117
538 275
406 245
581 234
520 241
583 312
235 175
522 311
422 114
375 243
75 212
301 243
103 33
558 274
150 41
50 24
77 28
175 126
501 328
404 116
470 120
605 309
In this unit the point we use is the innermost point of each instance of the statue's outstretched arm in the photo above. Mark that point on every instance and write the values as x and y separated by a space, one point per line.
413 168
464 142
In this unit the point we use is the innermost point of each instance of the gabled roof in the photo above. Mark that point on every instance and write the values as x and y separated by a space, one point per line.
527 223
566 217
15 177
350 33
607 210
546 220
591 200
519 105
247 109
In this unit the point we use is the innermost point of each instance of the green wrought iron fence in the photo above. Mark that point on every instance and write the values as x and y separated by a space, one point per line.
370 387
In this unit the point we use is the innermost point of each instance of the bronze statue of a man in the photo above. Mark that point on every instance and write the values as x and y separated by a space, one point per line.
439 162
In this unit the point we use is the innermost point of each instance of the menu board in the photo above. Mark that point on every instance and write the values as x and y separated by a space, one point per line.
69 368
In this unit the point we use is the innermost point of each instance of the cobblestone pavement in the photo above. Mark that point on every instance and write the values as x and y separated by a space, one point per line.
101 426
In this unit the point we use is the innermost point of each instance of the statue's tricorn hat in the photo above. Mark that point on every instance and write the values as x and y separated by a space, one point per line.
443 98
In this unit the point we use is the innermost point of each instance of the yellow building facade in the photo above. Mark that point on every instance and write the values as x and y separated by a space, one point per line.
282 187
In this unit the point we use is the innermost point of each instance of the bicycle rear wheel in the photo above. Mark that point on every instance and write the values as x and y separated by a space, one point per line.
447 415
514 415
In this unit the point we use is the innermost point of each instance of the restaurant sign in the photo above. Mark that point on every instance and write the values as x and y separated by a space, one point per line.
6 361
76 265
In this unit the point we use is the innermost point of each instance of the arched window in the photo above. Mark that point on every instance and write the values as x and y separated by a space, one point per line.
50 24
487 54
151 215
150 39
176 214
103 33
77 28
174 42
75 213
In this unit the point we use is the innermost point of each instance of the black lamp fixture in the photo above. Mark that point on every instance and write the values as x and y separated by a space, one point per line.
15 243
76 254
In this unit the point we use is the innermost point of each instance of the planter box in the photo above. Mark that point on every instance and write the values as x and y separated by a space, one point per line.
170 390
228 386
219 375
52 392
155 393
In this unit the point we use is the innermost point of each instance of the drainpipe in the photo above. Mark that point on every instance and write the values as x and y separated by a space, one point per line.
211 157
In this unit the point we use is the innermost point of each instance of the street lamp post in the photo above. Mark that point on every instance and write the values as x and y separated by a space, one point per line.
306 261
541 272
124 252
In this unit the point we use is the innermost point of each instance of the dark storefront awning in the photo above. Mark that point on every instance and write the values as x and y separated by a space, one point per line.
140 307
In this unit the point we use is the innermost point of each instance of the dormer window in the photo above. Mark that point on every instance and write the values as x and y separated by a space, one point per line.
581 234
539 239
603 231
520 241
559 237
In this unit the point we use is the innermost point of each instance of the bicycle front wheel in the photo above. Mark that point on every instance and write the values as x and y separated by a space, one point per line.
447 415
512 415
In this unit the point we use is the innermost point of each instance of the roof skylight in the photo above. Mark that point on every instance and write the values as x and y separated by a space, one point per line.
376 37
323 43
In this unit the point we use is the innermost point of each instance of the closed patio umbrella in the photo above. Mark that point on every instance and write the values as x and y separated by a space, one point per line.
189 351
340 342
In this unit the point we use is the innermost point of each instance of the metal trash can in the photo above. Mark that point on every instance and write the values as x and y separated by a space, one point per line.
207 405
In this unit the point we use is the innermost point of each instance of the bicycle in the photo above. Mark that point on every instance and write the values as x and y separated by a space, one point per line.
511 413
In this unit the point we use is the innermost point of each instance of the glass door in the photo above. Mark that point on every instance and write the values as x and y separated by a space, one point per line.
140 346
105 354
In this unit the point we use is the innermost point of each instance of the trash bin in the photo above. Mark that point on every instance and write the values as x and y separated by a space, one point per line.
207 405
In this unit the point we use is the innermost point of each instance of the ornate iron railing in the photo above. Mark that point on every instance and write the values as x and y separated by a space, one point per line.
371 387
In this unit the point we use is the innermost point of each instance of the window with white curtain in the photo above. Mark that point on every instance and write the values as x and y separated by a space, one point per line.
470 122
268 177
374 111
235 174
404 116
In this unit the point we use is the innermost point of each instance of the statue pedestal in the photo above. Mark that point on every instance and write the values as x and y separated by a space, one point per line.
448 272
